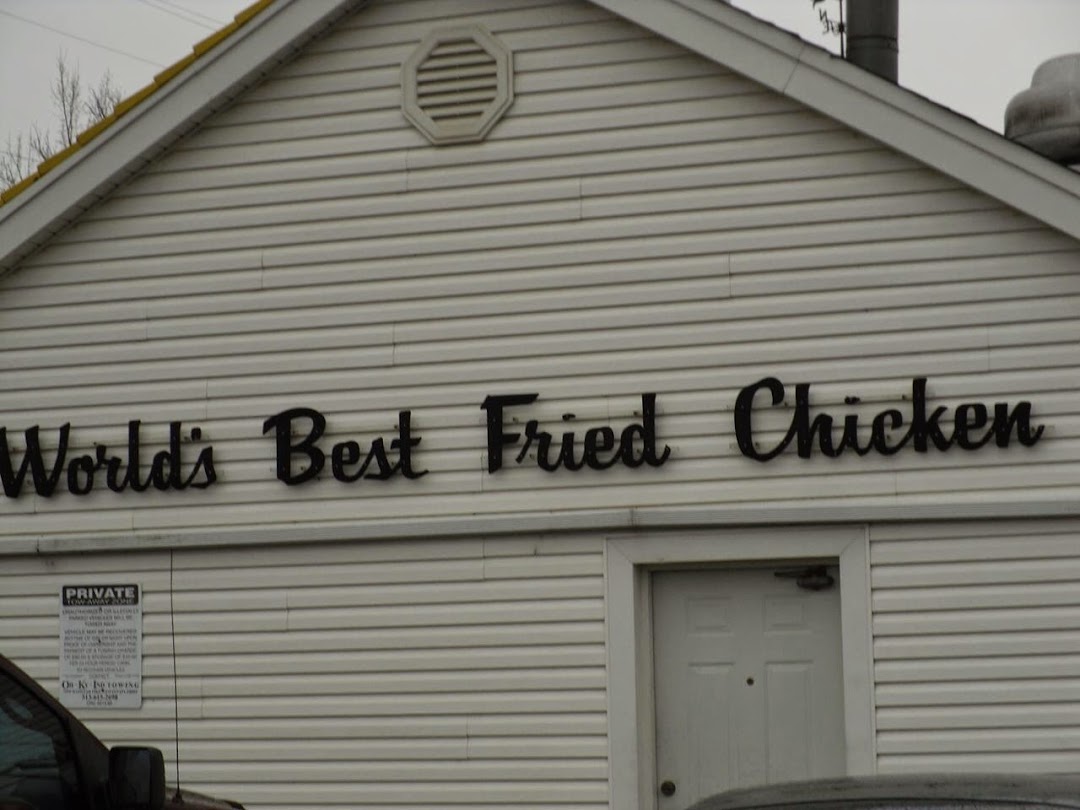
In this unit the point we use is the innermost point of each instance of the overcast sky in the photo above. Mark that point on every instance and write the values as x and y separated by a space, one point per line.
132 39
970 55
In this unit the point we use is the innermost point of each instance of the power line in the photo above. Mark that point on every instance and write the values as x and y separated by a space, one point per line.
80 39
193 12
177 15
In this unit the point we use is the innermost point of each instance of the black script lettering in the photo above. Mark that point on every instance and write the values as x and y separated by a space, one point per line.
805 428
204 463
404 445
85 466
969 417
543 440
744 428
44 481
167 464
600 440
165 472
802 428
344 456
1019 418
82 471
637 442
566 451
282 424
646 433
924 430
133 472
497 437
165 467
850 437
880 436
112 467
347 454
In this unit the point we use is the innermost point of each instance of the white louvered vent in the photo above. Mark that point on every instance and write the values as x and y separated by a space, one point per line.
457 84
458 81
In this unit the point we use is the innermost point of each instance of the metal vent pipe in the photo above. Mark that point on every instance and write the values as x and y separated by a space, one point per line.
872 31
1046 116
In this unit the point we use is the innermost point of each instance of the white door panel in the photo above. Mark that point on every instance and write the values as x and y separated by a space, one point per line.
748 679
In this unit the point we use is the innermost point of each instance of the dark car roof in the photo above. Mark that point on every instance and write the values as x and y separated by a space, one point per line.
1062 790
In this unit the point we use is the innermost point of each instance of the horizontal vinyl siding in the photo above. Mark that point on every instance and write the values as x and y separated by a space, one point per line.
641 221
421 674
977 646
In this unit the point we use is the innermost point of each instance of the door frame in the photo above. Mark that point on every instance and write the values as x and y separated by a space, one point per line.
629 561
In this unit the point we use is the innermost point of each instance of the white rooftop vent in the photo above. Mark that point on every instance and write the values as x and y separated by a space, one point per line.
1046 116
457 84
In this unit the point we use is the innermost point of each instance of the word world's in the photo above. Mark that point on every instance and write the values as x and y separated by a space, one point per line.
165 471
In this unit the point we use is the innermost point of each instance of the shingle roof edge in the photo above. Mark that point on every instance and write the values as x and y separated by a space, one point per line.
127 104
220 67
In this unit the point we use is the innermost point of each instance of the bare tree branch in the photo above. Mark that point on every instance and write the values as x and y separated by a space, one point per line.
15 162
67 95
39 145
103 99
73 113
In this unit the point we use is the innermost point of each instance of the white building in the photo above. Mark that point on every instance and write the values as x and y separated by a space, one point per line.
677 211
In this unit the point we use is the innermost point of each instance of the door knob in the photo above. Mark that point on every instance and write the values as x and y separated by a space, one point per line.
667 787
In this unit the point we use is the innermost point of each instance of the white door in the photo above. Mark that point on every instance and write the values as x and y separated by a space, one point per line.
748 678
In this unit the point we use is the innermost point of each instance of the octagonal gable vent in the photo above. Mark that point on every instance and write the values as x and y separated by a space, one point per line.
457 84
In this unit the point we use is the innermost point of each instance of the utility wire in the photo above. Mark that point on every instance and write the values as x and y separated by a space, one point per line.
193 12
177 15
80 39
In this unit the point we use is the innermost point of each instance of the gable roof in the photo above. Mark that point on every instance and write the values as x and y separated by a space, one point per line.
127 104
219 69
909 123
276 29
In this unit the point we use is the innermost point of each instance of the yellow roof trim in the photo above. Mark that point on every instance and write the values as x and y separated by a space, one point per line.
92 132
135 98
126 105
203 46
51 163
172 70
246 14
17 189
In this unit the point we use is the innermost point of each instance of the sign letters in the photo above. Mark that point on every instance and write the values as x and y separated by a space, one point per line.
972 426
348 462
82 472
302 452
636 444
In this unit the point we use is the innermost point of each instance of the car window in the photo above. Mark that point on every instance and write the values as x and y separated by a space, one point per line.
37 763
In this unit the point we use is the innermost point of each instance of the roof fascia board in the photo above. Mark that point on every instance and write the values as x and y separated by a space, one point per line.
207 85
931 134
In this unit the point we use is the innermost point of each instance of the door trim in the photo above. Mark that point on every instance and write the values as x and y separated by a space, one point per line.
628 561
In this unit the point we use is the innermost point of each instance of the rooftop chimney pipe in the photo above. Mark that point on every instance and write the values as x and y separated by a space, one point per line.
872 29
